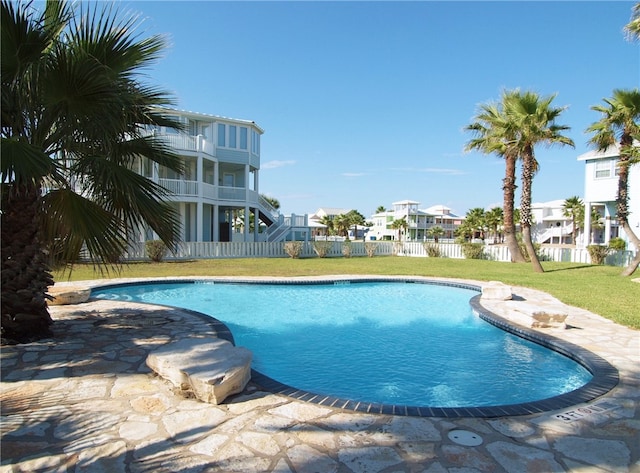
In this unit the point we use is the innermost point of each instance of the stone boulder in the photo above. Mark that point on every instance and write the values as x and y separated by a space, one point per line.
211 368
63 295
497 291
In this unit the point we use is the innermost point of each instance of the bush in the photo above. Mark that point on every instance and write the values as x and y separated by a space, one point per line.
293 248
432 249
346 249
156 249
473 250
617 244
598 253
322 248
370 247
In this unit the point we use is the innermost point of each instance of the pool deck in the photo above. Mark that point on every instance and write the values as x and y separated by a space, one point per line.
85 401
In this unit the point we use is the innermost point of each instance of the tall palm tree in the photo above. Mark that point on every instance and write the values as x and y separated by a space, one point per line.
572 208
533 118
73 115
633 27
494 133
619 125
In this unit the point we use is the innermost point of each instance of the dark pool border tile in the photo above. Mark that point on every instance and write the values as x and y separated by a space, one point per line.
605 376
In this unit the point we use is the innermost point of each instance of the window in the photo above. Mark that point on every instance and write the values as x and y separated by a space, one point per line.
603 169
243 138
255 142
222 133
232 136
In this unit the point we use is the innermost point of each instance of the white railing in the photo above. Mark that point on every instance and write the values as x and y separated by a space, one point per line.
197 250
180 187
181 141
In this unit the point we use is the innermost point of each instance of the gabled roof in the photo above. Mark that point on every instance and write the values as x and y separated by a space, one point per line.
611 152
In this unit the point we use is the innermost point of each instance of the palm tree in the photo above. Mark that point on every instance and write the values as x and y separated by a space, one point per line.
619 126
355 219
633 27
380 209
400 224
494 133
572 207
494 218
341 224
327 221
476 220
533 120
435 232
73 117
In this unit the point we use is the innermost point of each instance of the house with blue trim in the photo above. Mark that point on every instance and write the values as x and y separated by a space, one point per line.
218 196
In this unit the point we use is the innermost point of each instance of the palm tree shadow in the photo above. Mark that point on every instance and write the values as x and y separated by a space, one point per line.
572 268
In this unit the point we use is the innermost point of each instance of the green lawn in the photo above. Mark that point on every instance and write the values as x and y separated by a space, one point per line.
599 289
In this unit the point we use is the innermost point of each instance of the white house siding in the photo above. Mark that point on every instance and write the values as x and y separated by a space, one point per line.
601 186
221 177
550 225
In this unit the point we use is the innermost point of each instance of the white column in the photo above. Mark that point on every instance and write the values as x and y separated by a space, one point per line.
199 220
256 180
246 182
586 238
246 223
607 229
256 224
216 223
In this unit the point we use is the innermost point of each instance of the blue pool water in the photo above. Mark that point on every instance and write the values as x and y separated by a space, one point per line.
392 343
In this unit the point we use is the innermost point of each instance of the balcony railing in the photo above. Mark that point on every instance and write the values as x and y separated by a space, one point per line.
182 142
180 187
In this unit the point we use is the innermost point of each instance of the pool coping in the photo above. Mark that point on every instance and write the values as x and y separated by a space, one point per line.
604 375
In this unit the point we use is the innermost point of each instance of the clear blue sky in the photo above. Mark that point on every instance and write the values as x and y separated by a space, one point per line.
364 103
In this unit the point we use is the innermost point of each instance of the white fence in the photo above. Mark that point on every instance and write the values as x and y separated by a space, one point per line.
204 250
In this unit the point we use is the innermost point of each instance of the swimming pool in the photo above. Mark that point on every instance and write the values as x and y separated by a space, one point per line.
369 343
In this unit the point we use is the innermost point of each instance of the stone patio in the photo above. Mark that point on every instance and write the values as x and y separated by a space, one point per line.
87 402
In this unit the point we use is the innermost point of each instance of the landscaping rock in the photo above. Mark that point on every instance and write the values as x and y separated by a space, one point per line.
495 290
63 295
212 369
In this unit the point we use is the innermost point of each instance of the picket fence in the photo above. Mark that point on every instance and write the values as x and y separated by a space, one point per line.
205 250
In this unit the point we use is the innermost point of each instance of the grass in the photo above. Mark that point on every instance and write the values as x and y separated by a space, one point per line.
599 289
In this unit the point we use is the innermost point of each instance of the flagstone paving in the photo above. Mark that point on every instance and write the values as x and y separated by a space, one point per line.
85 401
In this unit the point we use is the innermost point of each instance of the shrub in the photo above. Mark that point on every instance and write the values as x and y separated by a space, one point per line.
432 249
293 248
598 253
370 247
346 249
156 249
473 250
617 244
322 248
398 247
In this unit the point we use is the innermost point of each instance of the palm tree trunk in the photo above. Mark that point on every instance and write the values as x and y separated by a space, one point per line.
509 188
525 210
633 238
25 272
622 201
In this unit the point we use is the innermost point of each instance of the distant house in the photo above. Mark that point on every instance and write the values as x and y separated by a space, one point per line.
550 225
418 222
600 191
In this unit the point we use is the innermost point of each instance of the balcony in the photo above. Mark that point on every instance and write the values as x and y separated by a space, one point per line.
182 142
